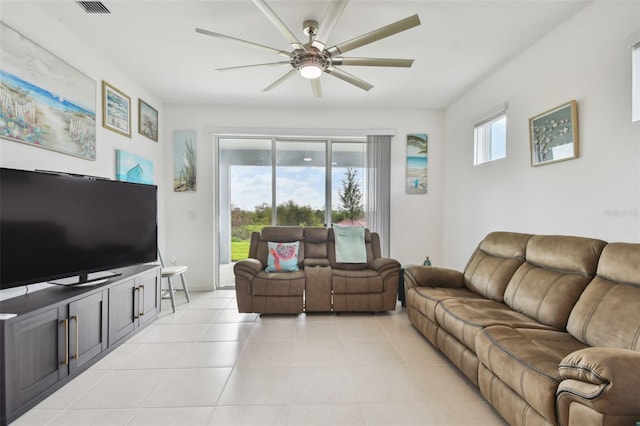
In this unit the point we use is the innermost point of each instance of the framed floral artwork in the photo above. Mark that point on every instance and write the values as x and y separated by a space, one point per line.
554 134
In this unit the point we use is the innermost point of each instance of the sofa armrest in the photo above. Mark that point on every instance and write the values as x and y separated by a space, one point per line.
248 266
605 379
382 264
430 276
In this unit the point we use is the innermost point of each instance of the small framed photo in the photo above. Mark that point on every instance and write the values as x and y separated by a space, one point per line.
116 110
554 134
147 120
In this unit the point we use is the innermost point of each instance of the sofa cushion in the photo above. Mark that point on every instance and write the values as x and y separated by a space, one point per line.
282 257
608 311
366 281
425 299
315 243
556 271
465 318
527 361
494 262
278 284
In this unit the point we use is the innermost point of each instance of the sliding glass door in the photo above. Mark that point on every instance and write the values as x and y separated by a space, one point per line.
244 199
301 182
283 181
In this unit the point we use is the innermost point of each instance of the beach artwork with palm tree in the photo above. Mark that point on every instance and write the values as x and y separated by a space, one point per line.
417 160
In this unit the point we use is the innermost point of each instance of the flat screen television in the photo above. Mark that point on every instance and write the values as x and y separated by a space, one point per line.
56 225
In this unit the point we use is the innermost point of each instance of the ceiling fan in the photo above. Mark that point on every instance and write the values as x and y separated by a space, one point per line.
313 58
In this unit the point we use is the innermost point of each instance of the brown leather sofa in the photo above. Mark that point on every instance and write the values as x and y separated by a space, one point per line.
322 284
548 327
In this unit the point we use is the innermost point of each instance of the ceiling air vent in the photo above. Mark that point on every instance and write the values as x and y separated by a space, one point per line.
93 6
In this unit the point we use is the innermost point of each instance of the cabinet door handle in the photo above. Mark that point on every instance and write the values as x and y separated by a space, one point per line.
77 319
135 311
141 293
66 341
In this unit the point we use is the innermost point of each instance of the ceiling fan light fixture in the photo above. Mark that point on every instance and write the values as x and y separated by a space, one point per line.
310 71
311 66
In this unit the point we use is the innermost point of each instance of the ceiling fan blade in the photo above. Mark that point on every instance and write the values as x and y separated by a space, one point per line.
316 87
249 43
373 62
281 80
331 17
279 24
375 35
254 65
345 76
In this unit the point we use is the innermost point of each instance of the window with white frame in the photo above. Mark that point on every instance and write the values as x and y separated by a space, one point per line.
490 139
635 82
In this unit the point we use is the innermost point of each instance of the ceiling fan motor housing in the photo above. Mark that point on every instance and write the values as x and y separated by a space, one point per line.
313 57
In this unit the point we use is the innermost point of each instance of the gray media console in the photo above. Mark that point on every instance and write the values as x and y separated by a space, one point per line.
59 332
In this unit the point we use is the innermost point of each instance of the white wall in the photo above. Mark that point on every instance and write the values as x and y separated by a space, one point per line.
415 219
597 195
31 22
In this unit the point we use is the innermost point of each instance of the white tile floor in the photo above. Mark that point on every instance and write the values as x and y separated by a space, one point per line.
209 365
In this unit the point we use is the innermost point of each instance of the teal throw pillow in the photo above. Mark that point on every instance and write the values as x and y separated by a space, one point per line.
283 257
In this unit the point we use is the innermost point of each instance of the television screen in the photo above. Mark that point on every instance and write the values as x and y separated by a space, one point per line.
54 225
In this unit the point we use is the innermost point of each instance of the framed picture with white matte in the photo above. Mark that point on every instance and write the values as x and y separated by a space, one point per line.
147 120
116 110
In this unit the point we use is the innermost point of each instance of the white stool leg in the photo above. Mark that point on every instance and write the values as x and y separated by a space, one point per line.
171 295
184 287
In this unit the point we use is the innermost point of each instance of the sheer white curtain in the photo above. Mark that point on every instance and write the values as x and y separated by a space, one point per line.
378 173
635 81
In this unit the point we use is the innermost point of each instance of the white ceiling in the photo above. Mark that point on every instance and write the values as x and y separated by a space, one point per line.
458 43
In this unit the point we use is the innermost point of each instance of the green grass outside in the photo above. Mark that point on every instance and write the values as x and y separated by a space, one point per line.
239 250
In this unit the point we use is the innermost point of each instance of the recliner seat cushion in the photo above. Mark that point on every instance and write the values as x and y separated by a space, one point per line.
278 284
527 361
425 299
367 281
465 318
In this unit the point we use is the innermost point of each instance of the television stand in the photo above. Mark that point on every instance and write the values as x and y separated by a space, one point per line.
94 278
52 335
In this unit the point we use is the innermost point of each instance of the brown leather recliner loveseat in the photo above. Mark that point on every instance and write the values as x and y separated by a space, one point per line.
321 284
548 327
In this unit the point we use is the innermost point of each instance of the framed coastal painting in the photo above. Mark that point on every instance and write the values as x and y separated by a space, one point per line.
554 134
116 110
417 160
147 120
184 160
44 101
133 168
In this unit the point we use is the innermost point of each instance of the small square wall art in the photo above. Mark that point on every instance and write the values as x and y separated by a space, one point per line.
417 159
184 160
133 168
